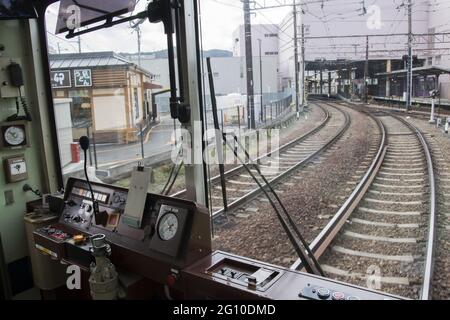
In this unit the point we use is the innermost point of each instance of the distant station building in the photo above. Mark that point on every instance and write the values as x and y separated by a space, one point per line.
109 95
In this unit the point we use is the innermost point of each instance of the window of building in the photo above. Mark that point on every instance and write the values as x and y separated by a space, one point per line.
81 111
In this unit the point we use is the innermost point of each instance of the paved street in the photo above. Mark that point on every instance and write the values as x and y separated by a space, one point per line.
156 141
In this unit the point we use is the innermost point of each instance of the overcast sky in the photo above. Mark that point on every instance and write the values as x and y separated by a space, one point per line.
219 18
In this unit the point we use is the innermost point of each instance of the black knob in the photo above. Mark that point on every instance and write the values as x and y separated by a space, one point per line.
323 293
252 281
71 203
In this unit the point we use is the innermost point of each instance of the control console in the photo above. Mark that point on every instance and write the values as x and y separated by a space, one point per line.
173 234
226 276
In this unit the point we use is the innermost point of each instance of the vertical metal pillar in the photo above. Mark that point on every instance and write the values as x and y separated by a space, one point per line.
249 65
297 89
321 82
410 58
303 65
195 170
329 83
142 140
260 83
366 72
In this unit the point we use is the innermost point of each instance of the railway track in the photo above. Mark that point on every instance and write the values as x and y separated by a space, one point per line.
382 237
279 165
439 145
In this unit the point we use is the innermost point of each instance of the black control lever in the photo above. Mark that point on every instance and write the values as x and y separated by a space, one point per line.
99 218
168 12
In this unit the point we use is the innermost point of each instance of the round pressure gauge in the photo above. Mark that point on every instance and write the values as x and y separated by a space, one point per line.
168 226
14 135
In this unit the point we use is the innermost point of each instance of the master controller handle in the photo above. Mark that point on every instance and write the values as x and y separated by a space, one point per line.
100 218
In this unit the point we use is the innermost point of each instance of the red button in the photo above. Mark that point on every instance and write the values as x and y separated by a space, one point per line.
171 279
338 295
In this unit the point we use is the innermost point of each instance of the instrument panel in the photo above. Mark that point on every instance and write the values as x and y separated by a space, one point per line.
170 229
174 242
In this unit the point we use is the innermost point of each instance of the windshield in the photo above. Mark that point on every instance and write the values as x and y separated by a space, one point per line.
111 85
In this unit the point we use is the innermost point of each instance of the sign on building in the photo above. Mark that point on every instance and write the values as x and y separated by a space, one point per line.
61 79
83 78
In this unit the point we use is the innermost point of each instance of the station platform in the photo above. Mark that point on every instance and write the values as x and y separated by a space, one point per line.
422 101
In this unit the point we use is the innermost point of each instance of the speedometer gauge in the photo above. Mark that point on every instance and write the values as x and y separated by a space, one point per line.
168 226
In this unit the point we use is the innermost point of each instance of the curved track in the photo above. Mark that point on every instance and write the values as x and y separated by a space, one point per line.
280 163
387 243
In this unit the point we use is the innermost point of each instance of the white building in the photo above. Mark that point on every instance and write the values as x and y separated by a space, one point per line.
266 33
229 73
439 21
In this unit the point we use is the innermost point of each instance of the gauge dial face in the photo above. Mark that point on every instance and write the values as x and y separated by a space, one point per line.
168 226
14 135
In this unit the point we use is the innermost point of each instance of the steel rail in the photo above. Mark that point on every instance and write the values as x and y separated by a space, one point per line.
287 145
329 232
428 271
252 194
332 227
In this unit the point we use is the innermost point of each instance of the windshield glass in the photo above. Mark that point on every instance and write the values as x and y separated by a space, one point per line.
111 85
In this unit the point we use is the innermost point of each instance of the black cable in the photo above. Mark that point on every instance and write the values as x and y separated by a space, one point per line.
163 191
24 106
288 225
174 179
172 170
94 202
291 222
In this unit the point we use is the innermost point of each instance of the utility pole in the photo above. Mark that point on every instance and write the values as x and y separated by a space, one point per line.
136 27
366 72
260 83
410 59
297 91
249 65
303 64
79 44
138 32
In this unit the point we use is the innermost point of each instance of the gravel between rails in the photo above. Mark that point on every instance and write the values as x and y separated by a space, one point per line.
241 184
308 120
439 143
312 195
383 244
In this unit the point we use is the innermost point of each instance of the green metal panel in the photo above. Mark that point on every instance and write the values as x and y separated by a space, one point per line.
13 35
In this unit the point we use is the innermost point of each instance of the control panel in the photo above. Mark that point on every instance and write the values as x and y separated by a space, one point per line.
79 210
223 275
245 275
173 234
323 293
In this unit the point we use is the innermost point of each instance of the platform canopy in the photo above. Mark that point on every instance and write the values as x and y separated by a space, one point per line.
419 71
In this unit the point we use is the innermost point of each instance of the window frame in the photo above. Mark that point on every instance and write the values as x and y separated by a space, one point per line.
41 7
